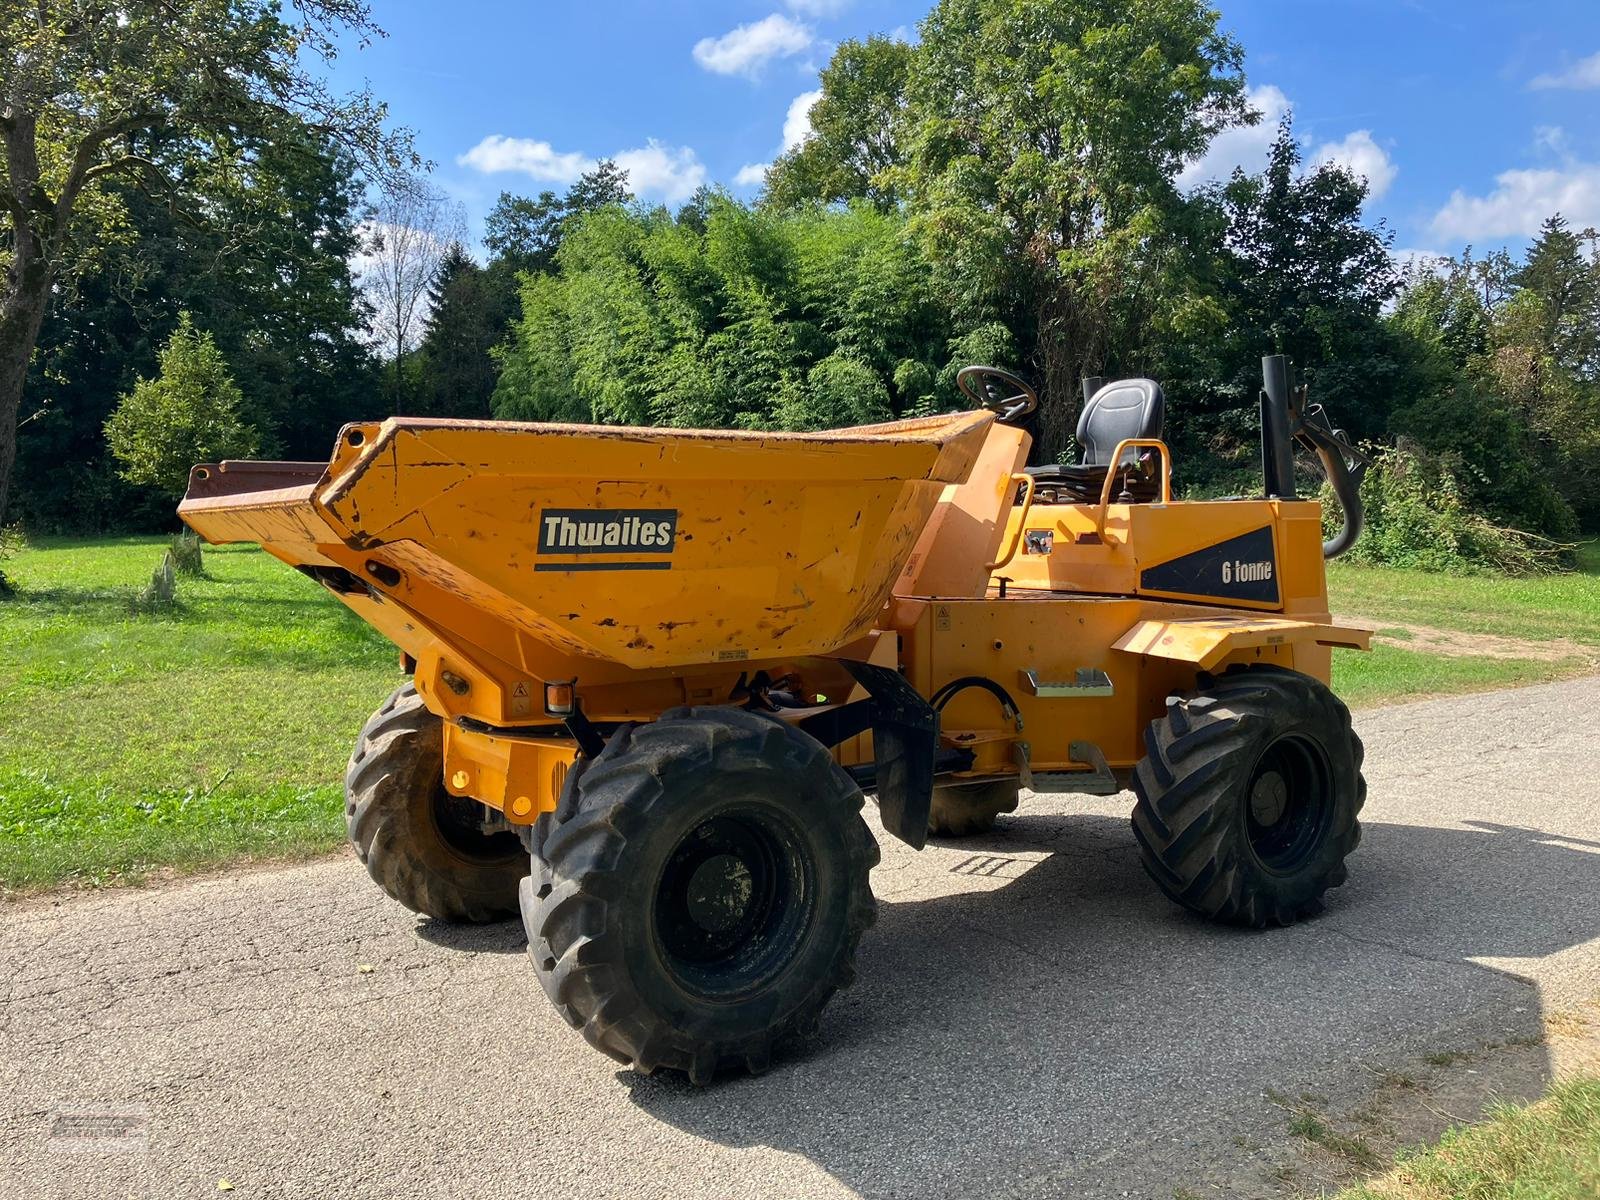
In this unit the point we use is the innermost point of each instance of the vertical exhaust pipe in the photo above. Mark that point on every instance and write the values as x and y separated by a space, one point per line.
1277 429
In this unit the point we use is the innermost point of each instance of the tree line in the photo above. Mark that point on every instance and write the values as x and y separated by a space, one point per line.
1005 190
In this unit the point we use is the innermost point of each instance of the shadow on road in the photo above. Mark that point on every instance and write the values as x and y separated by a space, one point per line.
505 937
1065 1022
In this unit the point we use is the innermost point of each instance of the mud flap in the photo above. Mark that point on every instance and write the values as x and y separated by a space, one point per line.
905 739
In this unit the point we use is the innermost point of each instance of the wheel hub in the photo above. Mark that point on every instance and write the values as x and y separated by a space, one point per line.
734 902
1269 799
1289 802
719 893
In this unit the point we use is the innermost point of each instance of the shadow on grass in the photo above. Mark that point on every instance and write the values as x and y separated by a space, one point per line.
93 601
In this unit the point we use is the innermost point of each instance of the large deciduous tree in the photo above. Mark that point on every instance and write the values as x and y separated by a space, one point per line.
858 134
165 94
1294 269
1046 136
525 232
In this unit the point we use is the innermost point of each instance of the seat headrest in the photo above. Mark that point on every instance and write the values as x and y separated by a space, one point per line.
1125 408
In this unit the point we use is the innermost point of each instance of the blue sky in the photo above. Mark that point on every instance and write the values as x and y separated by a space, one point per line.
1474 119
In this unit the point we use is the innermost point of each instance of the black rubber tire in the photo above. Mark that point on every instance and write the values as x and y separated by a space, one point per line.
1200 837
413 836
595 906
964 809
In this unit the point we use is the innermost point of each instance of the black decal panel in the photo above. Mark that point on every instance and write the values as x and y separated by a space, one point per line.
1241 568
609 531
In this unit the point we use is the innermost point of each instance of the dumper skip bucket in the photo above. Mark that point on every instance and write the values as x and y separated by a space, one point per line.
651 548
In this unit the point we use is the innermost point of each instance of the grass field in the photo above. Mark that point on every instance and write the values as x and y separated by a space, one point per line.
1539 610
1545 1151
1549 606
218 730
211 732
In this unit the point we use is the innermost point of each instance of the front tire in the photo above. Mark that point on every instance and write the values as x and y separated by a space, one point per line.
1249 796
423 846
700 891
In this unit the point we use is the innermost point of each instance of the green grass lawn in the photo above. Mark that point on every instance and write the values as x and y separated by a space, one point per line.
214 731
1544 1151
218 730
1391 674
1540 609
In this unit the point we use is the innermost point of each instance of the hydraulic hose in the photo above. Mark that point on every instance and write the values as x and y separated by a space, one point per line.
1344 467
945 694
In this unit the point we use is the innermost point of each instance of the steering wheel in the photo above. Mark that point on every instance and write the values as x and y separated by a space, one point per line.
1006 395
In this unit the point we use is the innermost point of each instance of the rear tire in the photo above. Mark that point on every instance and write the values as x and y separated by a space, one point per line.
1249 797
420 844
700 890
964 809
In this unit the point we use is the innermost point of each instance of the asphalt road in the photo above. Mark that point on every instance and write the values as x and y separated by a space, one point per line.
1032 1018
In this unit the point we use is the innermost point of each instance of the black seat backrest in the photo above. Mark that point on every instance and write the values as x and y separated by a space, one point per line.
1126 408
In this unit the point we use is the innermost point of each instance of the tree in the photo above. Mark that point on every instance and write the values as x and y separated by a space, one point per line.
160 94
273 275
1545 358
411 231
270 272
606 184
187 415
1493 384
526 233
1564 282
857 131
731 316
1045 139
1293 269
468 316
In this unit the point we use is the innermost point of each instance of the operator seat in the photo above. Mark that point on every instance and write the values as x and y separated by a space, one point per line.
1122 409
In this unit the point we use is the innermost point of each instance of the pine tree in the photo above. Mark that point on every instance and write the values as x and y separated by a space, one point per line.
469 311
1566 281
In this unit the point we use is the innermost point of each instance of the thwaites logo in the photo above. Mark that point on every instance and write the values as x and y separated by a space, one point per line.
613 532
1241 568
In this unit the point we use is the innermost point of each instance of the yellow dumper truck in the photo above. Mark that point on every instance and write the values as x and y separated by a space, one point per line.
655 672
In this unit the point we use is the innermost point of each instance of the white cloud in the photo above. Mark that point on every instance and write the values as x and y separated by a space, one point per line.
655 171
496 154
1244 147
1521 201
818 8
749 48
668 173
1552 139
1363 158
1583 75
1247 148
797 124
796 129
